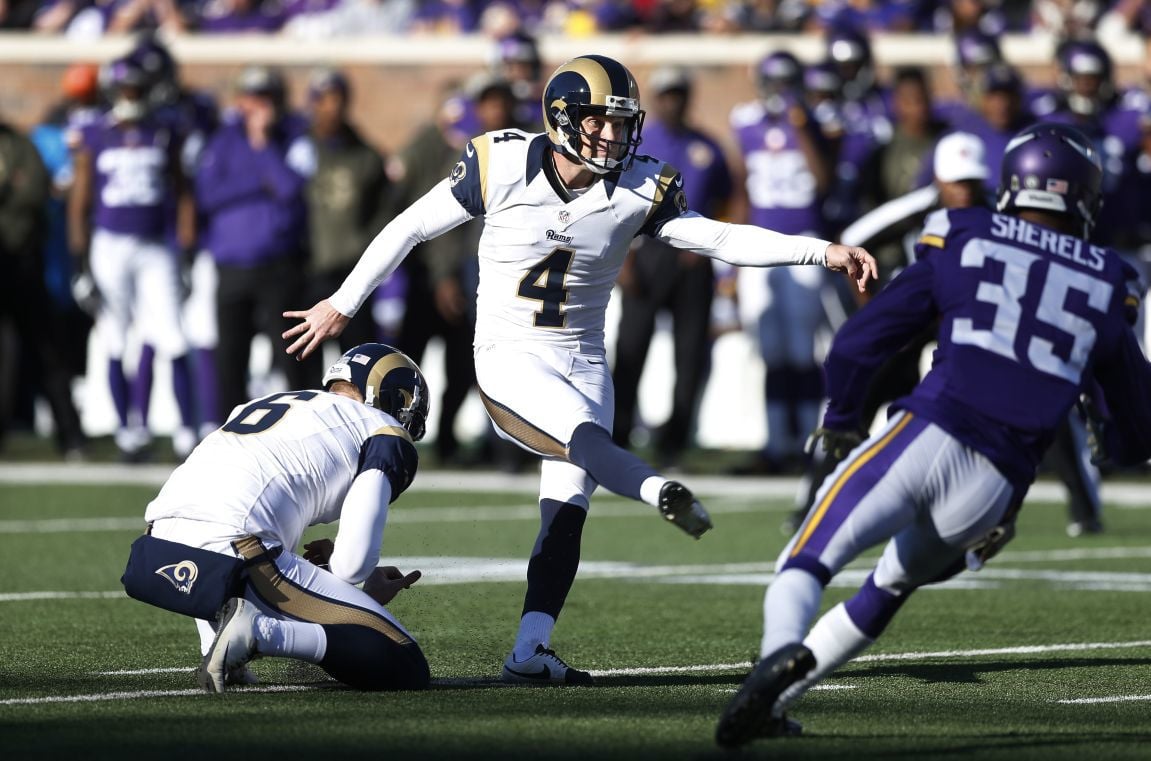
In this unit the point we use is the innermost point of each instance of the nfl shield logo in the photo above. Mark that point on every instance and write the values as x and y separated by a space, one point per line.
564 216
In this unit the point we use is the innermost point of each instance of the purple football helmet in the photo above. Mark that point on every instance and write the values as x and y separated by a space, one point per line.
1052 167
518 48
779 72
1085 75
974 48
126 85
822 78
160 68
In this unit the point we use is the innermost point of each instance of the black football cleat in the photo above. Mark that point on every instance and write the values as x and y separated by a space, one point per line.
748 716
678 505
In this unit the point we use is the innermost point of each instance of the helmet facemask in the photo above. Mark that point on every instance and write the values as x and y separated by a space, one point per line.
617 155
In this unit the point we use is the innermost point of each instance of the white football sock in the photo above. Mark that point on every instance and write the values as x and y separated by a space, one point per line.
789 606
290 639
649 489
207 633
834 640
535 629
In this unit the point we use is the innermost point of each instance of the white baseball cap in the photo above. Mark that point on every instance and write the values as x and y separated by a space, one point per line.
960 156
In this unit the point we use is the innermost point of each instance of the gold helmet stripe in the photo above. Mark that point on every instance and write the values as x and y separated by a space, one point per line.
380 370
597 78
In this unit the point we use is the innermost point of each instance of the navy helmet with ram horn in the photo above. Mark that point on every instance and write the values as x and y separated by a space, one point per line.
593 85
389 380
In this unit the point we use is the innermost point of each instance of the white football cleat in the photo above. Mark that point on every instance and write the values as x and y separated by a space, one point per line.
233 647
679 506
544 667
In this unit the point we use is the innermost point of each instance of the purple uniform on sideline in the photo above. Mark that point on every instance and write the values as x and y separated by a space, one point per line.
252 199
132 170
781 189
700 161
1115 135
219 18
1028 318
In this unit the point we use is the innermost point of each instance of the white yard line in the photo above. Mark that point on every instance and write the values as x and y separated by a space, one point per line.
415 515
26 596
439 571
141 672
136 694
1112 699
639 671
1022 650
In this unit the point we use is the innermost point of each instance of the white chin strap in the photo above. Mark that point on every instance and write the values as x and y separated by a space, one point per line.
608 165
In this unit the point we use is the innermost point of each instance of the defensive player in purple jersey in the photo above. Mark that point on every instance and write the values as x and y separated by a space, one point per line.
127 174
1031 315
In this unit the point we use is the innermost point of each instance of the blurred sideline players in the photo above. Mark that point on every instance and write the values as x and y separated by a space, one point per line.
128 180
655 278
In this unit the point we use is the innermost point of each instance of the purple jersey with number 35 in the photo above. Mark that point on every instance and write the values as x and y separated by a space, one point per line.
1028 318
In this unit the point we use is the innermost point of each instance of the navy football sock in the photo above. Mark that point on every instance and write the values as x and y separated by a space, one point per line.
555 559
613 468
366 659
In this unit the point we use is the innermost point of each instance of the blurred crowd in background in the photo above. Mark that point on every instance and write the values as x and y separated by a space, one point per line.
189 221
324 18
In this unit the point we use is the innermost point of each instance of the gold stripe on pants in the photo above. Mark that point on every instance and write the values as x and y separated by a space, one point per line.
303 604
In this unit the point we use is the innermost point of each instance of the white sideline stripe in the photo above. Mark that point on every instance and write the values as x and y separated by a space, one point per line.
440 571
26 596
136 694
454 514
1113 699
1124 494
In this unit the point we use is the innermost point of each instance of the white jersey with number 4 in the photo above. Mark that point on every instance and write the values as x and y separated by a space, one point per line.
549 256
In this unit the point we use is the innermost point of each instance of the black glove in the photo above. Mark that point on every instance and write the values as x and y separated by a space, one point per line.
836 443
989 546
186 260
1095 422
85 293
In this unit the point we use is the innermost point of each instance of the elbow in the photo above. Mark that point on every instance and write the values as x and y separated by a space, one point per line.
351 570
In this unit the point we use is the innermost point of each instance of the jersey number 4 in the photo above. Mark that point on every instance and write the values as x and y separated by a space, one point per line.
545 283
1008 297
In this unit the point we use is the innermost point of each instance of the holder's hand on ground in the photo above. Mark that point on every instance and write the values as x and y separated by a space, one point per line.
317 325
386 582
319 552
859 265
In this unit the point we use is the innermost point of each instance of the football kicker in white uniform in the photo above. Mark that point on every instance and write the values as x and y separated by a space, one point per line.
222 533
560 209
